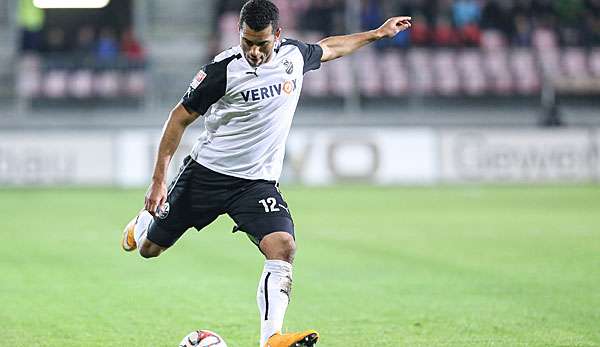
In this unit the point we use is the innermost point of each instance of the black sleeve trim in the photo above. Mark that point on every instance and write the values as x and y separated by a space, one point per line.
312 53
211 87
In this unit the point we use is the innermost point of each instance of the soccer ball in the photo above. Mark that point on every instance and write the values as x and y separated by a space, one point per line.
202 338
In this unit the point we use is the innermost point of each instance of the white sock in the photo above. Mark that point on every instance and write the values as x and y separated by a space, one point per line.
141 227
273 296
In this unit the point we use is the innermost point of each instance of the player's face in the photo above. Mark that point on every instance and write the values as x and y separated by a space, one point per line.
258 45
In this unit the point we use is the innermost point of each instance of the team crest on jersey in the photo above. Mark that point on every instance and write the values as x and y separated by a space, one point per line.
163 211
200 76
289 67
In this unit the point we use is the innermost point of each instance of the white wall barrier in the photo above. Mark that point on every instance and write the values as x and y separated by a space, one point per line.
56 158
373 155
318 156
513 155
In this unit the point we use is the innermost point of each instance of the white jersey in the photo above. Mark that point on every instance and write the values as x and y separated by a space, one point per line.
248 111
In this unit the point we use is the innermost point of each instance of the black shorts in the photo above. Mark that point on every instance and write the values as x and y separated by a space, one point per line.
198 195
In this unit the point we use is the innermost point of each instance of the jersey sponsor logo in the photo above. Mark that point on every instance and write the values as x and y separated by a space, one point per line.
200 76
271 91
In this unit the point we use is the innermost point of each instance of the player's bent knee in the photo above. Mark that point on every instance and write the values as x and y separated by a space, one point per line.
279 246
150 250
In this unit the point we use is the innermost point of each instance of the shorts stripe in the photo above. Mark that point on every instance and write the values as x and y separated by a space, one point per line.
179 175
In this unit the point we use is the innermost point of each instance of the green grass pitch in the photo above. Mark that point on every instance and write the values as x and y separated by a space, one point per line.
444 266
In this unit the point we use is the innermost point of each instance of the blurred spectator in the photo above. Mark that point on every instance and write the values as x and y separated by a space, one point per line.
31 22
466 12
449 23
592 34
55 41
470 35
419 32
130 47
523 31
569 14
497 15
84 48
322 16
107 48
371 16
444 34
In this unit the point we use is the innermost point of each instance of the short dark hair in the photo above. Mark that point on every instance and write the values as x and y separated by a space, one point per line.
258 14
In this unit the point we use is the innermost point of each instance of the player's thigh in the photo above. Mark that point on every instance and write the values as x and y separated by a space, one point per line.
175 216
259 209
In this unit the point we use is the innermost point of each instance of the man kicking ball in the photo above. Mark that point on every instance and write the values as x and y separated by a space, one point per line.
248 95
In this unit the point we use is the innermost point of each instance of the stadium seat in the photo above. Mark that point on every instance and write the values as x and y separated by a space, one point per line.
421 71
471 71
55 84
134 83
393 73
496 67
524 71
549 60
106 84
574 63
29 79
368 74
228 24
446 72
594 62
340 77
544 39
492 40
81 83
316 84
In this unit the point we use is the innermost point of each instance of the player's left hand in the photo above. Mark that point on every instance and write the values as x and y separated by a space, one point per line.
393 26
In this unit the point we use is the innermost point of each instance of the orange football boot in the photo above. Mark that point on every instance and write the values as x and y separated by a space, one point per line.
128 241
307 338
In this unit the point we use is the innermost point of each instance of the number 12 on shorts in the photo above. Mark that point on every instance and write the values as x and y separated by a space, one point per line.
269 204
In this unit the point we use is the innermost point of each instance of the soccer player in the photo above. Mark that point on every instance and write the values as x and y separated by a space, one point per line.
248 95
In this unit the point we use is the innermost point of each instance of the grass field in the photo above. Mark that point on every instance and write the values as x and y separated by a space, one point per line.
449 266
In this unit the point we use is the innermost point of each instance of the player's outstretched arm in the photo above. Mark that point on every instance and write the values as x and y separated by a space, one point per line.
179 119
338 46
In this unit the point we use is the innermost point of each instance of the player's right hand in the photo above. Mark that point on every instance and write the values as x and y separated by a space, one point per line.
394 25
155 196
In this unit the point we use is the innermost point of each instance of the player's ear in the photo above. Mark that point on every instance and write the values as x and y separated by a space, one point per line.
278 34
